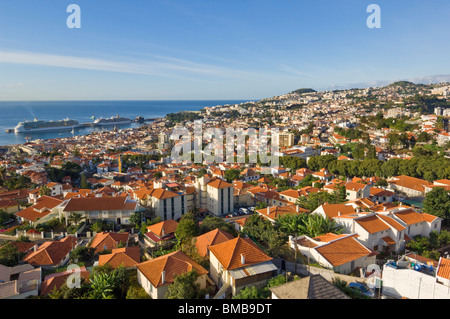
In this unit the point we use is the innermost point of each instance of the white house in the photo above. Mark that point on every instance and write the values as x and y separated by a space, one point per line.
341 253
238 263
157 274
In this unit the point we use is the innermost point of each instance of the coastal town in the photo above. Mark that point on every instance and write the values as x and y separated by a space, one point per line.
357 208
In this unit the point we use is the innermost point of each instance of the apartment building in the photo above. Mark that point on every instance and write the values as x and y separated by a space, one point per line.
214 195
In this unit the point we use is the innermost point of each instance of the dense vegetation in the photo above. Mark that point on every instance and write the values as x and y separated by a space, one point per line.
303 91
173 118
425 167
67 169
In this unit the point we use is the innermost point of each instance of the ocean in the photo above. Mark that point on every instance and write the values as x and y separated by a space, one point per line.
11 113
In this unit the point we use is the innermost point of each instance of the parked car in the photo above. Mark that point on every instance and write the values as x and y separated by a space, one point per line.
362 288
243 211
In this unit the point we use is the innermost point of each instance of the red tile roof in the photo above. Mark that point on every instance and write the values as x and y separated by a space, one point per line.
51 252
214 237
229 253
110 240
172 264
163 228
342 251
443 268
98 204
126 257
219 184
41 208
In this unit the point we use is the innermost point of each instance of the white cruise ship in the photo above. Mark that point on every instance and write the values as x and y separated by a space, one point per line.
46 126
112 121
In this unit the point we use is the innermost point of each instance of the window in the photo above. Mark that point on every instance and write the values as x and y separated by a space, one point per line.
173 207
165 209
182 205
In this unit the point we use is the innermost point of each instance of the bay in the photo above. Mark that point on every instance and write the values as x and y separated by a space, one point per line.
13 112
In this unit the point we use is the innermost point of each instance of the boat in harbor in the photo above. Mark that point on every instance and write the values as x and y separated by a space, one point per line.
112 121
46 126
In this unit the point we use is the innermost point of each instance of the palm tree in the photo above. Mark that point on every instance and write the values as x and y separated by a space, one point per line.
75 218
103 284
292 224
44 191
317 225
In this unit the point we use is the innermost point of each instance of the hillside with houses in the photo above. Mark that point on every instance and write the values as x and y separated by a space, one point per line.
358 207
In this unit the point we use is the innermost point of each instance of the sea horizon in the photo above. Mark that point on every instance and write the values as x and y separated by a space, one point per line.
85 110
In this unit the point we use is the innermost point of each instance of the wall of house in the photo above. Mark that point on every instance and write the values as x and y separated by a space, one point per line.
408 191
108 215
155 293
412 284
370 240
416 229
216 271
347 268
347 223
433 226
382 199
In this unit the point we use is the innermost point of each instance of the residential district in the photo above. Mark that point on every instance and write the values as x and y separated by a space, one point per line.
358 207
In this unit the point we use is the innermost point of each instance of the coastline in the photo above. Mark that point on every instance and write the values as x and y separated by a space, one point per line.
84 110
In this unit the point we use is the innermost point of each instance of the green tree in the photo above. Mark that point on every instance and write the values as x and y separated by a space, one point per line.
64 292
232 174
317 225
437 203
248 293
187 228
314 200
185 287
83 182
423 137
136 218
9 255
264 232
260 205
75 218
4 217
45 191
341 194
103 284
291 224
137 292
292 162
83 254
98 226
214 222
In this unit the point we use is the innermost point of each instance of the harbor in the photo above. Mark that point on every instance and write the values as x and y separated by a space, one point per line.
138 119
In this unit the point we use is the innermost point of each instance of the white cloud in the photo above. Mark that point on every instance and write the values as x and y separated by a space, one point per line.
174 68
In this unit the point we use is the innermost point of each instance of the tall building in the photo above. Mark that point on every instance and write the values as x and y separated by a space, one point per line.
286 139
215 195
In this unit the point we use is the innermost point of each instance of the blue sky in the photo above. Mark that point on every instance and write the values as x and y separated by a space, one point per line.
209 49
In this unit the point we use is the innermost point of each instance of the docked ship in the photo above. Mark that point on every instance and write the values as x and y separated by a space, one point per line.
112 121
46 126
